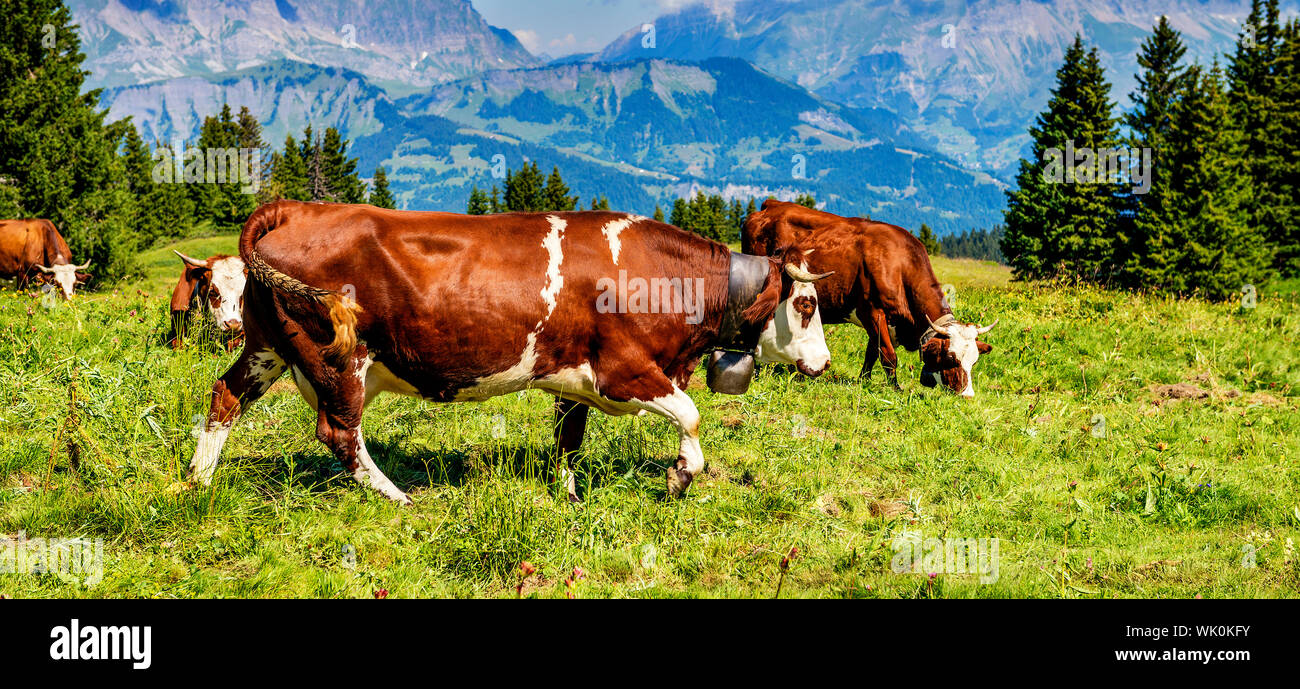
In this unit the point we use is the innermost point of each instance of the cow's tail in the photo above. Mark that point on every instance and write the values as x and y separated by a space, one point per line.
342 308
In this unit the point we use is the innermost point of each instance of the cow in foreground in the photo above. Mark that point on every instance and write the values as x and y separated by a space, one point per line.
356 300
33 250
882 282
217 284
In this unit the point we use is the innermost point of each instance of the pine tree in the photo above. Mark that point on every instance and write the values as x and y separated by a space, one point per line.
288 173
58 156
1283 164
318 181
556 193
523 192
380 196
1258 114
1067 225
478 202
807 200
929 241
1202 238
599 203
659 213
340 171
1159 85
494 201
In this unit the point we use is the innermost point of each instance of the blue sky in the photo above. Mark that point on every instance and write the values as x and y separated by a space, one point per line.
561 27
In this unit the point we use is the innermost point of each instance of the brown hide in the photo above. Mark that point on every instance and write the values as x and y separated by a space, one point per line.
25 244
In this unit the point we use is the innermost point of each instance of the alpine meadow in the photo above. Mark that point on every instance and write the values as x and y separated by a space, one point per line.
1068 234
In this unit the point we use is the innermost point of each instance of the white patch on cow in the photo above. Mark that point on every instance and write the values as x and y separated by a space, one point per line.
379 379
305 389
208 451
228 281
513 379
962 345
785 340
680 410
367 473
555 256
265 367
613 228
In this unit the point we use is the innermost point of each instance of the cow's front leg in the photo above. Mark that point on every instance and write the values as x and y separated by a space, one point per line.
873 353
244 383
888 357
678 408
341 400
570 426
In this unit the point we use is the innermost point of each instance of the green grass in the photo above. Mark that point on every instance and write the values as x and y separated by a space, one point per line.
1161 506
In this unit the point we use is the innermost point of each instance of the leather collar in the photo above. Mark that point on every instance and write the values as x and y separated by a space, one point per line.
746 276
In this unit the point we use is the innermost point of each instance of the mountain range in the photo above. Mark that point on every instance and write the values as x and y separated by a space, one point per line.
908 110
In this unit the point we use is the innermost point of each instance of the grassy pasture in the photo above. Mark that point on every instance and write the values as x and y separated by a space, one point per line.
1196 475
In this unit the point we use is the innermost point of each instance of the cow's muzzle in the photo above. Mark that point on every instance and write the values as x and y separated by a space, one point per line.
810 372
232 326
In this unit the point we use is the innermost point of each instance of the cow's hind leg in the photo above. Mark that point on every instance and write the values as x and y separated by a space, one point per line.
570 426
246 381
340 404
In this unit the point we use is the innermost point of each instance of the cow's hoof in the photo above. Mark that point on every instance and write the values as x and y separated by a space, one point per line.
678 481
573 498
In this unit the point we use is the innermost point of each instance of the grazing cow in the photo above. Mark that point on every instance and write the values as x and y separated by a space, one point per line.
883 283
600 309
33 250
217 284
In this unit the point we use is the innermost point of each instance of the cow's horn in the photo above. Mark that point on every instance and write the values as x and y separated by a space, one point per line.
44 269
980 330
937 328
802 275
190 260
83 266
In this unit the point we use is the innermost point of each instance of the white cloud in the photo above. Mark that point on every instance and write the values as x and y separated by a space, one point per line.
529 38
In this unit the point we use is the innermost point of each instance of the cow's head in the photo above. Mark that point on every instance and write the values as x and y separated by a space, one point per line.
793 335
66 276
949 356
219 284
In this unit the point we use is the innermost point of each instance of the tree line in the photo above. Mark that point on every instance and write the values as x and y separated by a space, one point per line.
527 191
1215 206
108 191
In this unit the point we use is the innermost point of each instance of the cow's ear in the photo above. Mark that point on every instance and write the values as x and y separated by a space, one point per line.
984 347
84 277
184 290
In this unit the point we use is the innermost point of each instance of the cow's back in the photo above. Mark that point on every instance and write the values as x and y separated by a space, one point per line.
27 242
447 299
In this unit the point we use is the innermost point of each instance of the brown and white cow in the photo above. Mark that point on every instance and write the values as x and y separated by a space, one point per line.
357 300
218 284
882 282
33 249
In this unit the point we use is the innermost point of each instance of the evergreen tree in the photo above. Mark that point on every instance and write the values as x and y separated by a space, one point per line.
1201 238
288 173
1061 220
1283 164
340 171
807 200
599 203
929 241
524 190
556 193
478 202
659 213
318 175
494 201
380 196
58 156
1257 112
